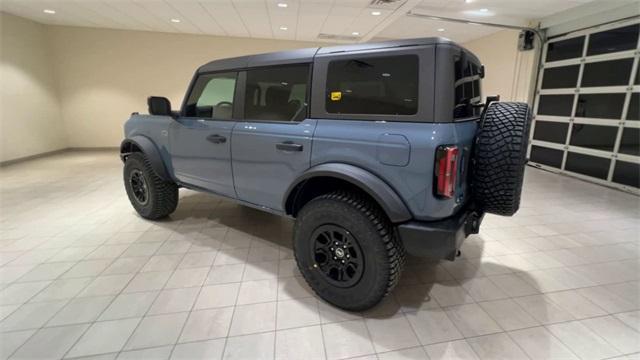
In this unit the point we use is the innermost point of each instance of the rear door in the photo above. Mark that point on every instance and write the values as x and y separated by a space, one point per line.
200 139
272 146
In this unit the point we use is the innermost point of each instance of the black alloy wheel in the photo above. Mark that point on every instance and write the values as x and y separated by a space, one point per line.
338 255
139 186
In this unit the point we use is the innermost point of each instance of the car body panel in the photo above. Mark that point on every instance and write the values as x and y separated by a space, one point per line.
262 172
358 142
398 150
198 161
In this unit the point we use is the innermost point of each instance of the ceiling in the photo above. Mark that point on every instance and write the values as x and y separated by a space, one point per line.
308 20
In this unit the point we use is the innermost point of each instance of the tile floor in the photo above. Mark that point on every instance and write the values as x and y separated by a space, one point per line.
81 276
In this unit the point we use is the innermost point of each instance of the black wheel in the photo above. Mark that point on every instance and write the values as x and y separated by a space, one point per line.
500 156
347 250
152 197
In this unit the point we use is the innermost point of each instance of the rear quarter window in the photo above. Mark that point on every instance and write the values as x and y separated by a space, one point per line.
379 85
467 89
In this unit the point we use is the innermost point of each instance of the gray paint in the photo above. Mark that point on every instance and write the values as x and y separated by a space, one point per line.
391 157
384 195
198 161
263 173
357 142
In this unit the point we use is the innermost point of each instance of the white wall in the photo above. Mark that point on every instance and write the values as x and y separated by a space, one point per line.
509 72
74 87
30 121
104 75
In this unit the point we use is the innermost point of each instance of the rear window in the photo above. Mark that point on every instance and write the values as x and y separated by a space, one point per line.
378 85
467 89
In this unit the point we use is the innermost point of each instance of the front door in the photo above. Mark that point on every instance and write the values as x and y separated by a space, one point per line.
272 146
200 139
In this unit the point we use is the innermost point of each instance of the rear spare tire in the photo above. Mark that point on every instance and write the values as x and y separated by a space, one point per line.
500 156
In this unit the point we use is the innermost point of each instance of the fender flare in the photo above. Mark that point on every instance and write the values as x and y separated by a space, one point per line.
151 152
371 184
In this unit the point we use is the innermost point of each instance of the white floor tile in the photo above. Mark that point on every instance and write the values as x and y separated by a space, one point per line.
256 346
300 343
104 337
157 330
346 340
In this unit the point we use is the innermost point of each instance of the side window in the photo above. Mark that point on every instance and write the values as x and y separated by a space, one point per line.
467 88
379 85
277 93
212 96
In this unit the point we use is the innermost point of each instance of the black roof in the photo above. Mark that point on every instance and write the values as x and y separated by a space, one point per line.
307 55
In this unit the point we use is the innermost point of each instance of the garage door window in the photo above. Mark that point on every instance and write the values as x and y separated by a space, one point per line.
587 105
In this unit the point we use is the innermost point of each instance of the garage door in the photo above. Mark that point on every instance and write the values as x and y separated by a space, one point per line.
587 103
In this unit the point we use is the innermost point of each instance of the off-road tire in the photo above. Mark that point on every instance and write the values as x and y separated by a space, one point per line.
162 194
500 156
382 252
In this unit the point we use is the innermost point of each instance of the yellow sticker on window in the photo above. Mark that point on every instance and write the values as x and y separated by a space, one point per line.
336 95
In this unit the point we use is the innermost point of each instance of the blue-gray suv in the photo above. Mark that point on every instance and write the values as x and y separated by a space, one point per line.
376 150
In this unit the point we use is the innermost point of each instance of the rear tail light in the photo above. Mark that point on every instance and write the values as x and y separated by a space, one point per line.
446 170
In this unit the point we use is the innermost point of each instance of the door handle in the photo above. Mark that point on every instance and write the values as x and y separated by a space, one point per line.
217 139
288 146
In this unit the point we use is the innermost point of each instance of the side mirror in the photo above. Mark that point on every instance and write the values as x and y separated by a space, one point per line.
159 106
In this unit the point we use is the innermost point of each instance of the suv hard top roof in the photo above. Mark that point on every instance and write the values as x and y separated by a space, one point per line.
307 55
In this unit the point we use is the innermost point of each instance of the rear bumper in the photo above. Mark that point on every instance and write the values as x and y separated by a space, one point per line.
439 239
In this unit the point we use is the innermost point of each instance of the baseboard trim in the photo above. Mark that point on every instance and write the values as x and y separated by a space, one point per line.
56 152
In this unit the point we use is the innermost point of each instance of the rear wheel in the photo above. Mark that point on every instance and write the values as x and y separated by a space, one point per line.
500 157
347 251
151 196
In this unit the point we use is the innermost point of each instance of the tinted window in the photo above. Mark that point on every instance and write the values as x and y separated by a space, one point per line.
546 156
594 136
565 49
560 77
212 96
620 39
551 131
588 165
557 105
607 73
630 141
627 173
381 85
467 89
634 107
277 93
605 106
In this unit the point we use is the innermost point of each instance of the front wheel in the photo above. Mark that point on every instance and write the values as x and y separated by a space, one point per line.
151 196
347 250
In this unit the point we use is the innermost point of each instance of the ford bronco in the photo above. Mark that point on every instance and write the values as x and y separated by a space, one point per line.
376 150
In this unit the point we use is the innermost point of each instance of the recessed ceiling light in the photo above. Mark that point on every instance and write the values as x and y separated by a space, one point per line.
284 28
283 5
355 33
175 20
441 30
469 1
484 10
375 13
48 11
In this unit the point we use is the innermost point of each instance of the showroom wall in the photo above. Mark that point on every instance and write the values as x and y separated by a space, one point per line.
103 75
30 120
509 72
